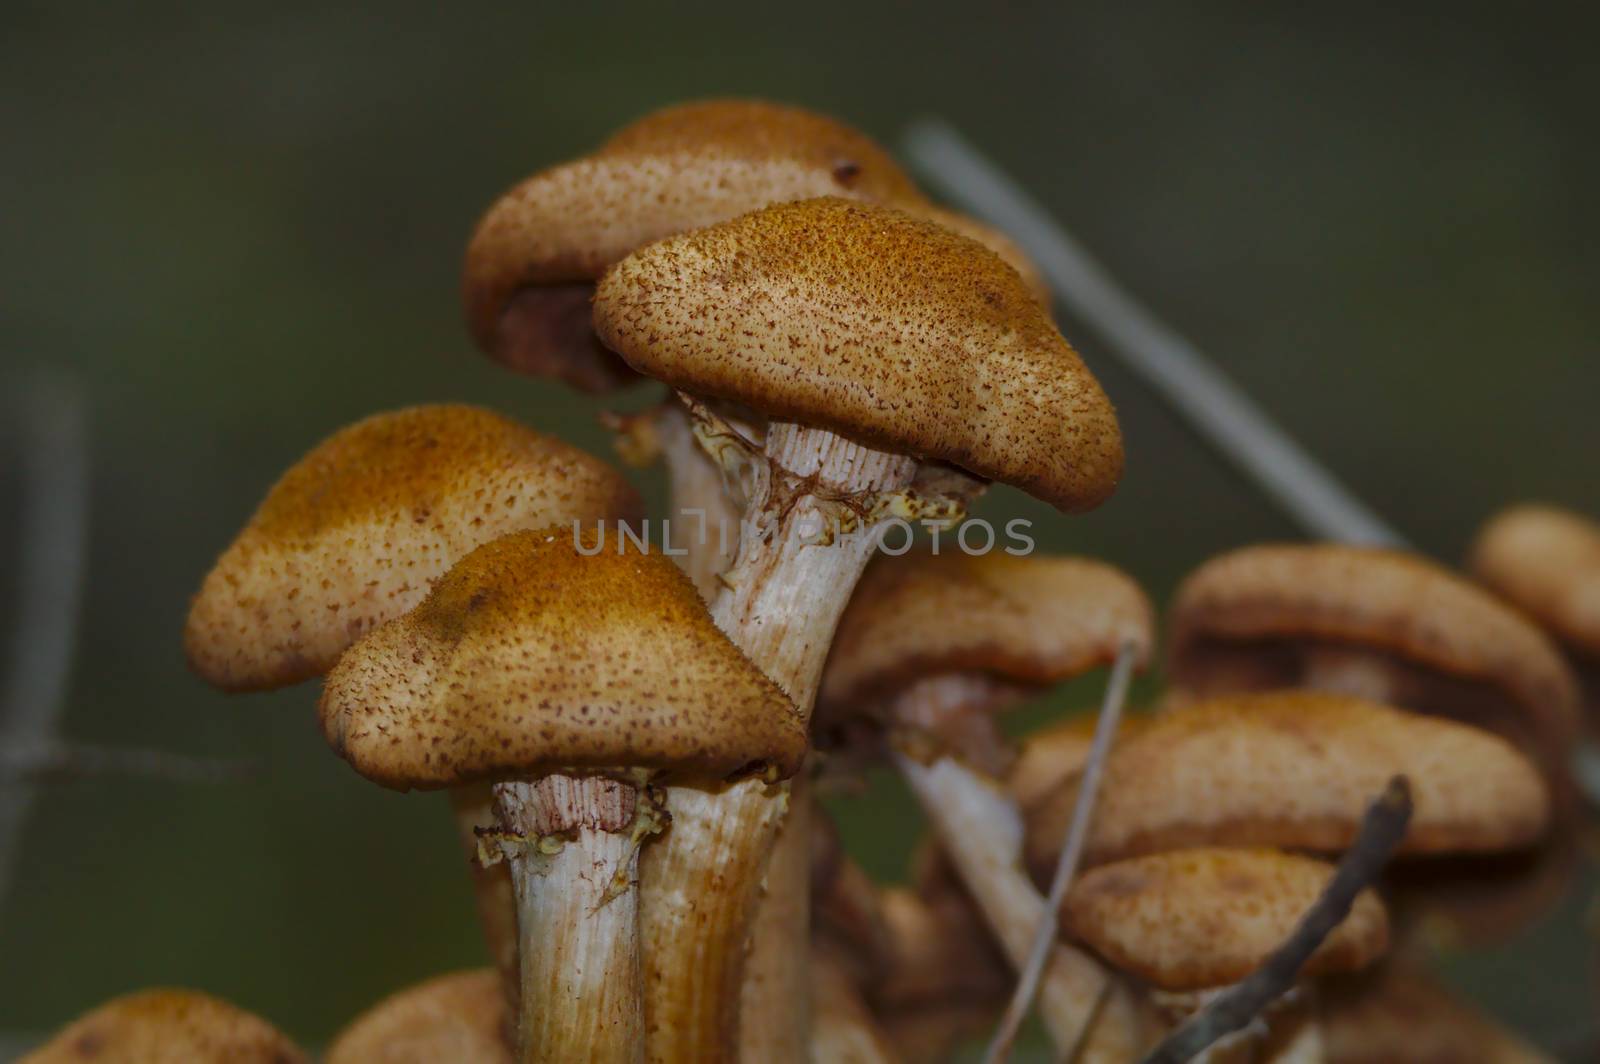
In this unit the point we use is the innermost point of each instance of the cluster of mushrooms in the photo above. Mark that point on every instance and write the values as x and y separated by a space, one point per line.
633 736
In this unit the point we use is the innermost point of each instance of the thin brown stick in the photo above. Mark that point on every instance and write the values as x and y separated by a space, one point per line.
1381 831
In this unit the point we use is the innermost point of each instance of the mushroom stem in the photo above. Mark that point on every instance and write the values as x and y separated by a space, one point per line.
1348 671
781 603
773 985
980 828
705 520
573 867
473 806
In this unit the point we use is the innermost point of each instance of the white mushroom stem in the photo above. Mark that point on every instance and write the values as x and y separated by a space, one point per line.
705 521
1348 671
980 829
473 806
573 862
781 604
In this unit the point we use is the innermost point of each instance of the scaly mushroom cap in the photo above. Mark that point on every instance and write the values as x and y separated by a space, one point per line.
1546 561
168 1027
529 657
876 325
1297 769
546 241
996 241
457 1018
355 533
1034 620
1395 605
1204 918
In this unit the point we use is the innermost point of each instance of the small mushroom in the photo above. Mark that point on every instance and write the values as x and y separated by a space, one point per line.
576 679
813 315
1386 625
168 1027
932 645
460 1018
355 534
1296 769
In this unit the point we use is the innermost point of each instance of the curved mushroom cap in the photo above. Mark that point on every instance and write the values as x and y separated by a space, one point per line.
1203 918
1546 561
1297 769
996 241
168 1027
1397 606
1034 620
1051 756
530 657
874 324
356 532
548 239
457 1017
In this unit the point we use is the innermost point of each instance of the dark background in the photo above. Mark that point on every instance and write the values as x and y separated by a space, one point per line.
241 229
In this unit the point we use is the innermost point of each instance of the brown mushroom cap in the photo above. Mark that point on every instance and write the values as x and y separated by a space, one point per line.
1297 769
1034 620
1546 561
1054 754
168 1027
529 657
458 1017
677 169
876 325
996 241
1396 605
356 532
1204 918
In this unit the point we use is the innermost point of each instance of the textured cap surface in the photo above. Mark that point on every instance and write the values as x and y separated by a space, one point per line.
1547 562
356 532
996 241
457 1018
678 169
1390 602
1035 619
874 324
1297 769
529 657
168 1027
1203 918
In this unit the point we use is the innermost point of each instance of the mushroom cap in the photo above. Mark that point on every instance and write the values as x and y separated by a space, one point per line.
355 533
162 1026
997 241
1546 561
1207 917
1390 602
1297 769
458 1017
876 325
677 169
529 657
1054 754
1033 619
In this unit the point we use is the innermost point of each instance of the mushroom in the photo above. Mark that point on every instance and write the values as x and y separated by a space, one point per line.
356 532
1383 624
1052 755
934 645
460 1018
1190 922
873 342
844 1030
576 680
1296 769
1546 562
168 1027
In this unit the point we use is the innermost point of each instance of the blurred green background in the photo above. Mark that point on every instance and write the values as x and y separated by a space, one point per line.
241 227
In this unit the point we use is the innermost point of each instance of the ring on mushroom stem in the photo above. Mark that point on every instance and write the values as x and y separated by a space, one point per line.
355 533
573 680
872 342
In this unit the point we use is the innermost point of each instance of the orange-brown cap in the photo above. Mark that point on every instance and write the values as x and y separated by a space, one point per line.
1203 918
168 1027
356 532
1054 754
1546 561
458 1017
1297 769
1031 619
1397 606
530 657
544 242
996 241
877 325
